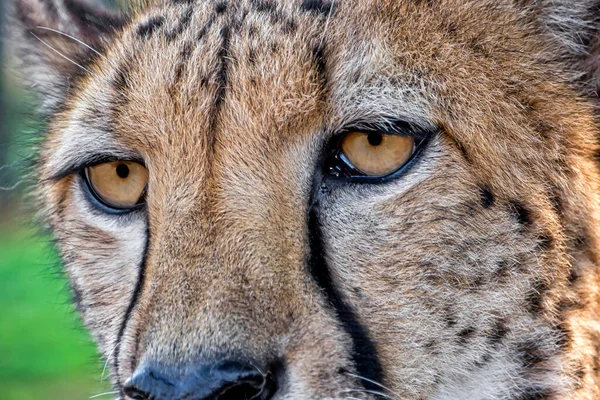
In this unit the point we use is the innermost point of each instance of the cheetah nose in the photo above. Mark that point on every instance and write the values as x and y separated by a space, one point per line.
225 380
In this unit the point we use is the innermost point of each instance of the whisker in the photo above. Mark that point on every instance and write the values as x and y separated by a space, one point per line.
326 25
373 382
103 394
78 41
373 392
61 54
106 362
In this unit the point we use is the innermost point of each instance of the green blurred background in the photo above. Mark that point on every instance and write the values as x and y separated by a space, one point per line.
44 351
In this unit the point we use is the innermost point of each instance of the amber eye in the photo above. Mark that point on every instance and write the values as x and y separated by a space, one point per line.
374 153
118 184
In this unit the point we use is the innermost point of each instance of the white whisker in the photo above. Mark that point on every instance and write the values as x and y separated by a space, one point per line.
373 392
106 362
326 25
103 394
78 41
373 382
61 54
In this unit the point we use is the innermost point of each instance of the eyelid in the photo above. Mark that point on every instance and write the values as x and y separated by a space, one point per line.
90 162
390 126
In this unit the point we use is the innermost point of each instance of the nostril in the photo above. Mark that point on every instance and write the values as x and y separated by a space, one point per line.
135 394
255 388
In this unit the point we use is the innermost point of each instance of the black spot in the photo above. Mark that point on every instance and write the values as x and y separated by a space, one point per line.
320 65
289 26
486 196
504 268
535 297
478 48
251 57
555 199
264 6
484 359
221 7
465 334
563 339
498 333
364 352
530 354
121 79
205 28
317 6
545 241
520 212
449 318
149 27
184 21
573 275
533 393
461 149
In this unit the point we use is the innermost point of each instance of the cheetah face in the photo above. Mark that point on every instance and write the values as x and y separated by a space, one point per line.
311 199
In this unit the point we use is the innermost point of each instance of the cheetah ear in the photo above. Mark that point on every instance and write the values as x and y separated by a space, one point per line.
56 40
574 27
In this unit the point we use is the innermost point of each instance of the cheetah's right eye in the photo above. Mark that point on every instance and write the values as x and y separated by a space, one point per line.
118 184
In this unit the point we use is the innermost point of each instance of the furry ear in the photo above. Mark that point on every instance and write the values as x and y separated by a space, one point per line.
56 40
574 27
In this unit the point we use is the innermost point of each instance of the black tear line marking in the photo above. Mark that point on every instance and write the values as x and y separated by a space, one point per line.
133 302
364 353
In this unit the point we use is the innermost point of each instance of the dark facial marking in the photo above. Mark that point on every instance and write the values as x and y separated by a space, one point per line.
221 7
184 21
530 354
465 334
535 297
317 6
498 333
91 18
364 352
149 27
545 241
137 292
264 6
222 76
520 212
486 196
533 393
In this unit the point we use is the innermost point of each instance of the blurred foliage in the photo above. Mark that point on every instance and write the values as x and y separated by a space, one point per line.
44 351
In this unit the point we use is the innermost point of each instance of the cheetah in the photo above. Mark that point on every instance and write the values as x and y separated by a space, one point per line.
319 199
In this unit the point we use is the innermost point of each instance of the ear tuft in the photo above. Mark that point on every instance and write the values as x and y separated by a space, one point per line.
56 40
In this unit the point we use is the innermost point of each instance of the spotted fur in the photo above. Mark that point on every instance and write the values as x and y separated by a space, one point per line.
472 276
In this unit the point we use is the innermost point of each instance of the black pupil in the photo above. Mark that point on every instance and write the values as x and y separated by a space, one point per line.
375 139
122 171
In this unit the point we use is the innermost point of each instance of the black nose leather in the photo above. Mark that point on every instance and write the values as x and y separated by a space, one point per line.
225 380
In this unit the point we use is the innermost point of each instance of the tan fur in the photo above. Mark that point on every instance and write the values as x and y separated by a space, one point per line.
230 112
